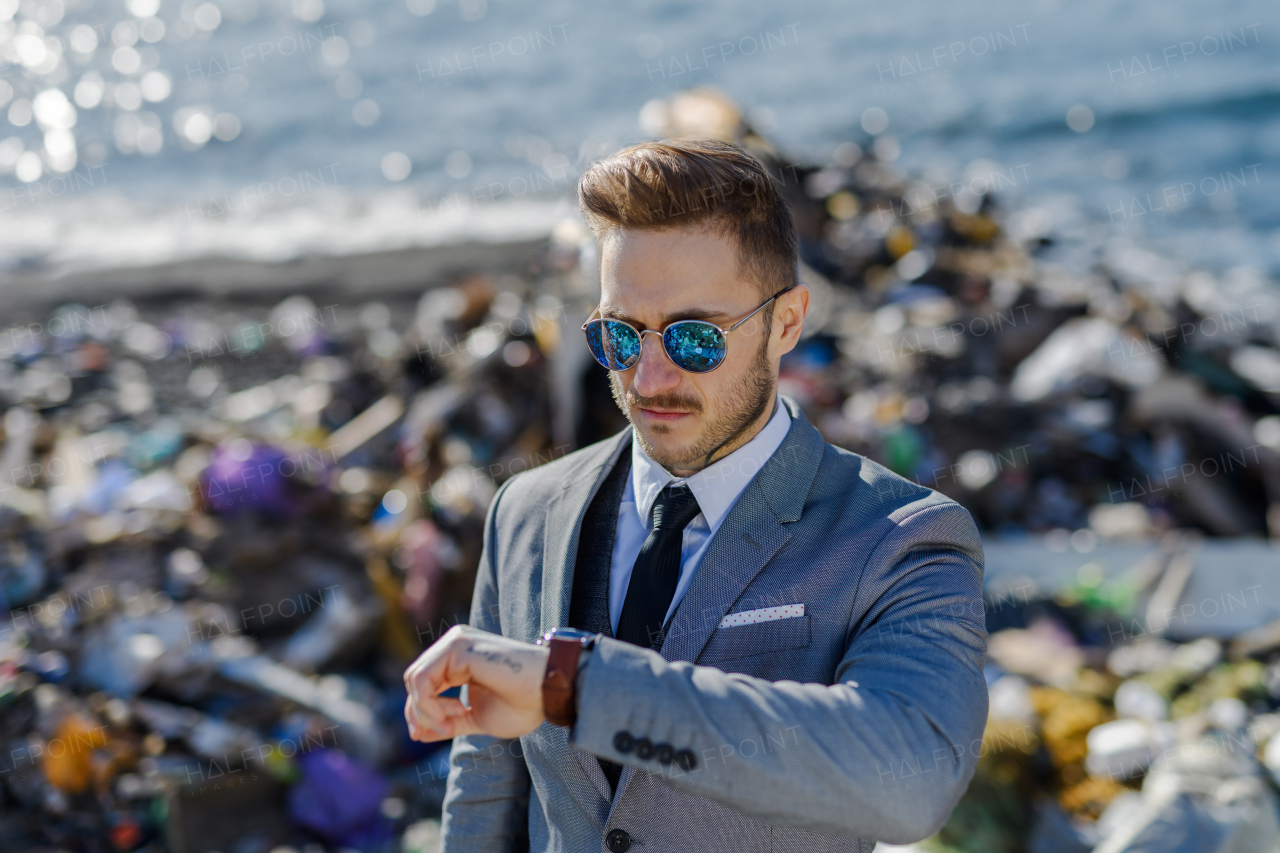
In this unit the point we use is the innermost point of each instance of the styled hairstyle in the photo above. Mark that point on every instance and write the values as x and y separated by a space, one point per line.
682 183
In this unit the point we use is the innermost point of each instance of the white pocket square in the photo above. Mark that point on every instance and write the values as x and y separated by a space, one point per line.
763 614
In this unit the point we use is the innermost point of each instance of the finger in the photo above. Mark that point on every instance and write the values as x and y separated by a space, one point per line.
437 669
448 669
435 712
411 719
464 723
437 709
419 730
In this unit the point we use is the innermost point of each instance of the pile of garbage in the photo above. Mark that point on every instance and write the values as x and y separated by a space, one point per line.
225 528
1116 725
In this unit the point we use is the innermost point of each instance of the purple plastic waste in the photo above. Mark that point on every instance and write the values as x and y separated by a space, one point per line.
338 798
248 476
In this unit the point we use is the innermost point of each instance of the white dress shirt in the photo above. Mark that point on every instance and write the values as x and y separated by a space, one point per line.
716 489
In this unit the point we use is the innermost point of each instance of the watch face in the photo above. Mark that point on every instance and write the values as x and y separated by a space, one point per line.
566 634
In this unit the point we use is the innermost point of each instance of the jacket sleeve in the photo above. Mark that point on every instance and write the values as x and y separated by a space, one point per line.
884 752
486 804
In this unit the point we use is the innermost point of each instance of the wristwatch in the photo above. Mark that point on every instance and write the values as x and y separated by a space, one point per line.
567 646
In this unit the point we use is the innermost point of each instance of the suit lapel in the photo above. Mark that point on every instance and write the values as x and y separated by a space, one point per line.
748 539
753 532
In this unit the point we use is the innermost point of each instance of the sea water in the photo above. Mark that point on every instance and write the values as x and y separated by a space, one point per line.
148 130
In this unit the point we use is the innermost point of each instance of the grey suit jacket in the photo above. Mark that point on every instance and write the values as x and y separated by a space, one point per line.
860 721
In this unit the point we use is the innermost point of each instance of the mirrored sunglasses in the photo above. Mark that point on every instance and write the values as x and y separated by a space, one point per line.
695 346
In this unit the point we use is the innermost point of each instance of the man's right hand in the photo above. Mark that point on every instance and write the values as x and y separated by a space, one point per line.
504 686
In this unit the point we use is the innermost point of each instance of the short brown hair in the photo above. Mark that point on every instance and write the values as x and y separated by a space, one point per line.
688 182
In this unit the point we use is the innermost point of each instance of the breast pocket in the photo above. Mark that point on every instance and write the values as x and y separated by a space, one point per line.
760 638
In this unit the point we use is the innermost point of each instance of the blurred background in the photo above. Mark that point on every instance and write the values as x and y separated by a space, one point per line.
289 288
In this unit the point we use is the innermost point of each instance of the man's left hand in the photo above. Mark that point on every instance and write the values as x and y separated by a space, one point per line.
504 686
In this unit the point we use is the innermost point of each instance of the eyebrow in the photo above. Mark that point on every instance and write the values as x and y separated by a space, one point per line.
690 314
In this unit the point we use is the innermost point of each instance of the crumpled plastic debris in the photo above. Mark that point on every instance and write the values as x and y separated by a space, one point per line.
1205 799
1149 737
339 799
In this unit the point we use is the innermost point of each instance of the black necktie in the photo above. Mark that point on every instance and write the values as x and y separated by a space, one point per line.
657 568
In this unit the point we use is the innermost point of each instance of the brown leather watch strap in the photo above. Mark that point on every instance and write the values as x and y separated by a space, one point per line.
559 680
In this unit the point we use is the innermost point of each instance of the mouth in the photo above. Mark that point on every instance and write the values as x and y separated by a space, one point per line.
663 415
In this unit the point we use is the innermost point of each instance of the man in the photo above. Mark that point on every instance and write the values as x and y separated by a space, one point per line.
780 642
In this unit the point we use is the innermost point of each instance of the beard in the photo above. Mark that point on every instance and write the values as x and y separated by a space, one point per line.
741 405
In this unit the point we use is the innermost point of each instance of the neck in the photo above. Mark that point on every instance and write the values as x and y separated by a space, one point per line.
738 439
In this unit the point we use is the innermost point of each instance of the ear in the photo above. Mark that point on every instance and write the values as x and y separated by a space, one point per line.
789 311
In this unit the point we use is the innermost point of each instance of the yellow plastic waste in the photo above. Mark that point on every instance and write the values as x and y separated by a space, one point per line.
68 756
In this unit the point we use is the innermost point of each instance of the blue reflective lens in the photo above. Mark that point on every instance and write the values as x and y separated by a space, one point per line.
694 345
614 344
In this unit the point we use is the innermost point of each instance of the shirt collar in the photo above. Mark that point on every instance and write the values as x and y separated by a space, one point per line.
717 486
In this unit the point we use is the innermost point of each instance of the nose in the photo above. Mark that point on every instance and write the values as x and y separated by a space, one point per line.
654 372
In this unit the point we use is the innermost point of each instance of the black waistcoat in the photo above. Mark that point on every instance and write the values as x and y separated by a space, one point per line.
589 604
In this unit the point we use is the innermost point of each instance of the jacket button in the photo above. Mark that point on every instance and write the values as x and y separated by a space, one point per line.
686 760
644 749
665 752
623 741
618 841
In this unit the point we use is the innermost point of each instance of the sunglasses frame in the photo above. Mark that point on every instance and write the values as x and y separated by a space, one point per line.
724 333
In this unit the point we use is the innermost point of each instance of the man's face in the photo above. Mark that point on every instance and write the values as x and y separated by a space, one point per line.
685 421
